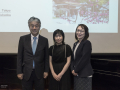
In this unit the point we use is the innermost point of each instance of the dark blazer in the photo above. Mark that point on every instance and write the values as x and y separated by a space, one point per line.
81 64
25 57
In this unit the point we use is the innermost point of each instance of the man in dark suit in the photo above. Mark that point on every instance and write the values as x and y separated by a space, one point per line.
32 60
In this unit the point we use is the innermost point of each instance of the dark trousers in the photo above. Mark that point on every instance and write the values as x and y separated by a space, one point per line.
38 83
82 83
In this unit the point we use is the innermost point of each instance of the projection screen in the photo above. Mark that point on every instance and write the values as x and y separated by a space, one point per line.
101 16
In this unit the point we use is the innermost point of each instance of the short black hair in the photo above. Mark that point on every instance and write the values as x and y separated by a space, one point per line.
58 31
83 26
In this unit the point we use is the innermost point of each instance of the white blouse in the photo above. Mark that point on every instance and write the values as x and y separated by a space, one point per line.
76 49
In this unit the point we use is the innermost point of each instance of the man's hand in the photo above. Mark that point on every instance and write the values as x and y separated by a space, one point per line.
45 74
73 72
20 76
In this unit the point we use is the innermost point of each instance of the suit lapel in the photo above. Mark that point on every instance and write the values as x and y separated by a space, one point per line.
79 48
28 42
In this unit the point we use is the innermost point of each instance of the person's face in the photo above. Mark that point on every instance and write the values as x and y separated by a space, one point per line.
58 38
34 28
80 33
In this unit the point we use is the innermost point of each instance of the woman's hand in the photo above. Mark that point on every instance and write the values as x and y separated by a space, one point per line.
55 76
59 76
73 72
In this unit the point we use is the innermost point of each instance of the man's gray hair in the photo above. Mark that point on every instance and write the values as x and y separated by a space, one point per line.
34 19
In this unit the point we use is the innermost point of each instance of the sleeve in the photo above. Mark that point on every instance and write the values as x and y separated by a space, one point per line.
87 49
50 51
72 59
20 56
46 57
68 51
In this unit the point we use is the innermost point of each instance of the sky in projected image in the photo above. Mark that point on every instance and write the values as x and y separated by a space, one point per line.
99 15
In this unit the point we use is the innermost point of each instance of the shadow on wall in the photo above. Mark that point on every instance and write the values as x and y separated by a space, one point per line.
49 35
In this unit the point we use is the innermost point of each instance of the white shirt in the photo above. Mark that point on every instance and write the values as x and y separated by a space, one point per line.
33 39
76 49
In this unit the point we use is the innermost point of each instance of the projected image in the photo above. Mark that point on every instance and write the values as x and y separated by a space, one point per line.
80 11
62 14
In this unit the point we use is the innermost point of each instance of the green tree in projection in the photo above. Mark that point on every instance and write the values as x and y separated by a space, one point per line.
81 1
101 2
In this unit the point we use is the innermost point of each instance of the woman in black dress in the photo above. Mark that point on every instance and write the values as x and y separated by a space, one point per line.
59 60
81 66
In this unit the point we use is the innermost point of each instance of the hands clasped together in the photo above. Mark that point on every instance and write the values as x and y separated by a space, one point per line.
57 77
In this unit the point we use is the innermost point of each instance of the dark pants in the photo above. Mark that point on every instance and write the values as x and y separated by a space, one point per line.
82 83
38 83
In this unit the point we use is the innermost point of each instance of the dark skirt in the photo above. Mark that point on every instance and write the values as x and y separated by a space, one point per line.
82 83
63 84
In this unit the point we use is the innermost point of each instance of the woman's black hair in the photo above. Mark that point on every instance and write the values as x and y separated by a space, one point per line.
83 26
58 31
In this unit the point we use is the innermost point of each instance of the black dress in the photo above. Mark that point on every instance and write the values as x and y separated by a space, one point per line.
59 59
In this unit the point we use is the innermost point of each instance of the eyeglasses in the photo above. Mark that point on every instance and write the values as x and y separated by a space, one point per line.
82 31
36 26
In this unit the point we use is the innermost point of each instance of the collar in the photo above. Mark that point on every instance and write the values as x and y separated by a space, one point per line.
36 36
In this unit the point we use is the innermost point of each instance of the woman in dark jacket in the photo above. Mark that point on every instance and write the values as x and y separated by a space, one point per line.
81 66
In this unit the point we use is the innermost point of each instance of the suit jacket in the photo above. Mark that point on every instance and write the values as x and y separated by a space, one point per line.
25 57
81 64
